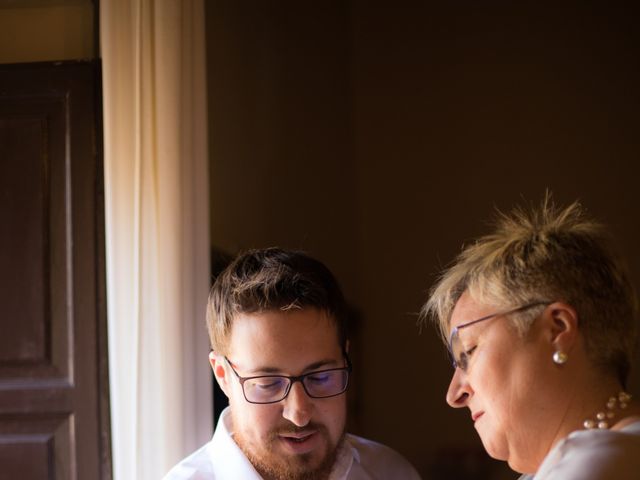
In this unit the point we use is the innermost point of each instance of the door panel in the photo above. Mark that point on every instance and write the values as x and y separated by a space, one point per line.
53 370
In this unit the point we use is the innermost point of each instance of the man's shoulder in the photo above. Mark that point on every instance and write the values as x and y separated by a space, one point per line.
375 457
196 466
218 459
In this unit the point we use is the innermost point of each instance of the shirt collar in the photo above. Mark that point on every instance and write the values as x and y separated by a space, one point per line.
228 459
344 460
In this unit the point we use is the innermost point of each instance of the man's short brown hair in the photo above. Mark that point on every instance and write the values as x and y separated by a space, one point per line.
272 279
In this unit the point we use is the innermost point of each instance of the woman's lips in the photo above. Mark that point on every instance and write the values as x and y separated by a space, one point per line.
476 416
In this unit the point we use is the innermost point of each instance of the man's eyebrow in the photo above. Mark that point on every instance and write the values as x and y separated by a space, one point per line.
321 364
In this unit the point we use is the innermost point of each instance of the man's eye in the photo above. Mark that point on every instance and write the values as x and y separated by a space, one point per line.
319 378
268 384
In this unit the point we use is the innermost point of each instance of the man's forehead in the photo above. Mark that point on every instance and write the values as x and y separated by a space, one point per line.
277 340
272 322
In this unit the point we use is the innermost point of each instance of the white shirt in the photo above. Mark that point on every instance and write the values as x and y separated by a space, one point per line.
594 455
222 459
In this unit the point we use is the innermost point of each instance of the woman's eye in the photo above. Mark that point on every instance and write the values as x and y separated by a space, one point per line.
464 356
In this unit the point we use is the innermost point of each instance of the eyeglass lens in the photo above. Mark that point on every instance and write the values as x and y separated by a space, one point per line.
460 357
327 383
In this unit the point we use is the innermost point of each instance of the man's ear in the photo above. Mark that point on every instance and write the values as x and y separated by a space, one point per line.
561 322
219 371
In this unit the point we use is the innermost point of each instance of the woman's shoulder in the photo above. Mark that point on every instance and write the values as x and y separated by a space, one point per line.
595 455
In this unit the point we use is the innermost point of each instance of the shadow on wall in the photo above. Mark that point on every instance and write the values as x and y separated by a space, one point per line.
465 463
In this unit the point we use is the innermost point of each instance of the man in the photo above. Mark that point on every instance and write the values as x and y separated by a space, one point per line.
277 324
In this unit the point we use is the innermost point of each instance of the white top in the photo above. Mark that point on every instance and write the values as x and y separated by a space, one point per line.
594 455
222 459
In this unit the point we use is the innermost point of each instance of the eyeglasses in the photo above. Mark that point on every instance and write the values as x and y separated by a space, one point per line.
460 357
274 388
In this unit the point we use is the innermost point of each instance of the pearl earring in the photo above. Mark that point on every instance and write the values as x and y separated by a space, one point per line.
559 357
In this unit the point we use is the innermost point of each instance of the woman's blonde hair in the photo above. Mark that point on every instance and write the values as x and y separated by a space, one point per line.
548 254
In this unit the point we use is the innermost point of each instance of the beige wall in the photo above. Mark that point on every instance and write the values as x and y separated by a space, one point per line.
381 138
42 32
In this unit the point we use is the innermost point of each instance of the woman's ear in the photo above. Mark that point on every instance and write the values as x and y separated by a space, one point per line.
561 321
219 371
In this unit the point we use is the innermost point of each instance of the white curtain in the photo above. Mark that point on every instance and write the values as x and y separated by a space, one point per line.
156 201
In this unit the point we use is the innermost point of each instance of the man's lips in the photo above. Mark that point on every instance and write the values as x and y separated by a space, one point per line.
297 435
476 416
300 442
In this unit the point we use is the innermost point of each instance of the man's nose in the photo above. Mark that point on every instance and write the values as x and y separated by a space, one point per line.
298 406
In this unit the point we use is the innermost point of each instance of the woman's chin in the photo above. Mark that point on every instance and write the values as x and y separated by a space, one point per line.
494 450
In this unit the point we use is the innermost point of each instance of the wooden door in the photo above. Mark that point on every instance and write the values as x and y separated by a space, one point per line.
54 421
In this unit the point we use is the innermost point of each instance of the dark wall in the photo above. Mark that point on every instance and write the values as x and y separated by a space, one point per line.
380 138
281 130
459 110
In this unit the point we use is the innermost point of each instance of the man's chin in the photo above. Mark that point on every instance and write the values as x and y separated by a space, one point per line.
286 459
278 465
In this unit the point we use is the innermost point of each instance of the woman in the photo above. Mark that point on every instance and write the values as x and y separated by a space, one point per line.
540 320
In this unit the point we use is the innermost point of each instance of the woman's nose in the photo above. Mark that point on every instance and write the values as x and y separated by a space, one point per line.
459 390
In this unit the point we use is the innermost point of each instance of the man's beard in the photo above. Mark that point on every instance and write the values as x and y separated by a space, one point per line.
273 466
